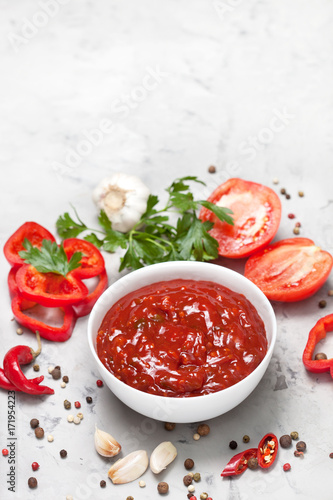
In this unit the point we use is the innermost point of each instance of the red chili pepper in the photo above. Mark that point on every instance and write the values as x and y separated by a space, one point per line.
267 450
92 261
30 230
49 289
22 354
85 306
5 383
317 333
22 310
238 463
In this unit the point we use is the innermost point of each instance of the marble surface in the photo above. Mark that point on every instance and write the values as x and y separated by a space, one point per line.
163 89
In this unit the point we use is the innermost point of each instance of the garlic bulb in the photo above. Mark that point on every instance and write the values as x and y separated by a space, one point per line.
129 468
162 456
105 444
123 198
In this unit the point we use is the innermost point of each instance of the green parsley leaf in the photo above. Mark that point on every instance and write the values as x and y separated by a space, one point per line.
50 258
68 228
220 212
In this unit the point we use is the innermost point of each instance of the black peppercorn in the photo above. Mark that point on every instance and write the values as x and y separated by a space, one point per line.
63 453
102 483
169 426
89 399
285 441
322 304
212 169
233 445
65 379
187 480
56 373
34 422
32 482
189 464
301 446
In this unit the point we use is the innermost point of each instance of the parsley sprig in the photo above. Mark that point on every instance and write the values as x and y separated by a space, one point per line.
154 239
50 258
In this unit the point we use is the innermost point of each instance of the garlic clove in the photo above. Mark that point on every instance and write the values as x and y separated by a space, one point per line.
129 468
105 444
162 456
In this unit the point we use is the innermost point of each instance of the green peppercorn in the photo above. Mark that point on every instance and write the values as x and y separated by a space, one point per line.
294 435
36 368
67 404
246 439
197 476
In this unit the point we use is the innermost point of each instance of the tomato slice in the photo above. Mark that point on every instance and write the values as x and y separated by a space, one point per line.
289 270
49 289
256 213
30 230
92 262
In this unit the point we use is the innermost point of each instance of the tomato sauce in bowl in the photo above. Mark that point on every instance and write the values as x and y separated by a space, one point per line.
181 338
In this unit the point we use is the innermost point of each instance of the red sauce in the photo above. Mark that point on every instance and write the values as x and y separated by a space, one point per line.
182 338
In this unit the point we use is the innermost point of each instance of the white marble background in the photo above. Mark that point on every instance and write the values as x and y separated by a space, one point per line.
164 89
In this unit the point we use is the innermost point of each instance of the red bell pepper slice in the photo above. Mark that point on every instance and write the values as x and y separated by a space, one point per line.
85 306
267 450
317 333
23 311
92 261
238 463
34 232
12 285
49 289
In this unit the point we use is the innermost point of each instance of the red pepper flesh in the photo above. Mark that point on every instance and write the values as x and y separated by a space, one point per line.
317 333
267 450
49 289
92 262
34 232
238 463
85 306
5 383
23 310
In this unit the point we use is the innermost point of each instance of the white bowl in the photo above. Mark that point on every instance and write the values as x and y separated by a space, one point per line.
186 409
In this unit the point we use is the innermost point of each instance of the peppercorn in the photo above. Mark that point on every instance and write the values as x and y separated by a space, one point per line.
322 304
191 488
99 383
189 464
294 435
301 446
19 331
298 454
233 445
288 196
65 379
330 293
34 422
331 455
320 355
102 483
89 399
283 191
286 467
246 439
67 404
5 452
39 432
142 484
203 429
36 368
291 216
187 480
300 194
32 482
197 477
204 496
50 438
169 426
77 404
35 466
56 373
297 224
196 436
252 463
129 498
63 453
285 441
212 169
296 230
163 487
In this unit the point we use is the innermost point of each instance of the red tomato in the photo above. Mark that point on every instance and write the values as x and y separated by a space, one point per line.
92 262
289 270
30 230
49 289
256 213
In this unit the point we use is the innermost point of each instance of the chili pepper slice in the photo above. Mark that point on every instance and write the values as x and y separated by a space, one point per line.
267 450
23 355
24 309
49 289
85 306
238 463
5 383
34 232
92 261
317 333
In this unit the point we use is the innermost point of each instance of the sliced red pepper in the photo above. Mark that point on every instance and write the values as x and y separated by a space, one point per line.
85 306
23 310
49 289
12 285
267 450
34 232
238 463
92 261
317 333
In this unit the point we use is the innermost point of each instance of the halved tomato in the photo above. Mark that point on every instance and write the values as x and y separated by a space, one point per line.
256 213
289 270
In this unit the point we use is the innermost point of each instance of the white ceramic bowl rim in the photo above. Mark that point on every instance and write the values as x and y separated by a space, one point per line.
192 265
